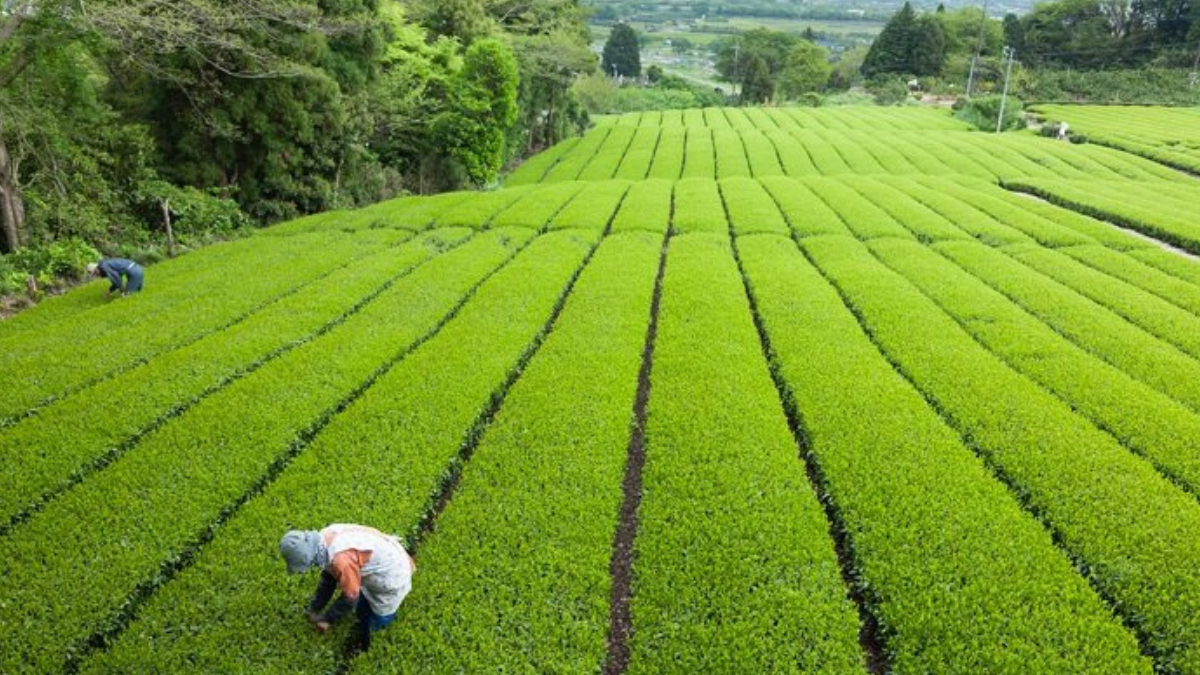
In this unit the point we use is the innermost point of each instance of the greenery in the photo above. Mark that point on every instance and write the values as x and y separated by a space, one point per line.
599 95
876 382
112 117
769 66
622 53
983 112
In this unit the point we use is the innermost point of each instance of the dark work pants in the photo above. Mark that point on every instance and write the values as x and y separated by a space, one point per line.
368 621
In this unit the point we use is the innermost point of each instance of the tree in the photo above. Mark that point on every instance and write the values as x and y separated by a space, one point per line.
475 130
757 84
132 39
286 145
622 55
890 51
1014 33
928 47
755 60
806 69
908 44
466 20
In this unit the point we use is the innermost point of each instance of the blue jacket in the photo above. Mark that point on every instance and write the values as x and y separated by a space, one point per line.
113 268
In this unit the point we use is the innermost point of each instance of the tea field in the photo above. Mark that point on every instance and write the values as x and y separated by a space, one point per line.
729 391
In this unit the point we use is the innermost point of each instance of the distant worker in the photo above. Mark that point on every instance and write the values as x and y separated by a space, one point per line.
371 568
113 269
1062 130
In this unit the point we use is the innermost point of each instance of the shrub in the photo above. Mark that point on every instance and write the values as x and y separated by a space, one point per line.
983 112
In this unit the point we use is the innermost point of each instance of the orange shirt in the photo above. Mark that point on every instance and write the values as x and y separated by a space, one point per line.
346 567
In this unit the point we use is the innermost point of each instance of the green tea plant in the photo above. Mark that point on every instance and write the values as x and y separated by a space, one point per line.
932 535
433 399
697 207
722 481
554 458
1111 511
184 489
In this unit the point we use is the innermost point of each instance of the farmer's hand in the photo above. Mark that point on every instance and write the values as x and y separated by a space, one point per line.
312 616
321 627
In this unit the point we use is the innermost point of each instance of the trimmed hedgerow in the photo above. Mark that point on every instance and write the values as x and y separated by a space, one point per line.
959 578
700 159
647 206
534 169
119 334
541 492
593 207
730 153
155 505
698 207
751 208
669 154
209 619
1087 323
1143 419
1141 308
640 155
734 568
538 207
105 420
1134 533
806 213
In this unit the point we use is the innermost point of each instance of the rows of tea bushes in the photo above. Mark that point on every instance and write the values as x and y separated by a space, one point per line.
734 570
1085 322
519 562
432 402
144 325
1147 421
155 503
43 452
1134 533
1167 135
731 143
1137 306
960 578
1167 213
719 390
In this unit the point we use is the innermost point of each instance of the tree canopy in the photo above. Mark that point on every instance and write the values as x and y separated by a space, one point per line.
771 65
622 54
113 111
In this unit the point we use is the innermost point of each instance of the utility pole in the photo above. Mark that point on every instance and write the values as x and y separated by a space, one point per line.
1009 53
737 58
1194 76
978 48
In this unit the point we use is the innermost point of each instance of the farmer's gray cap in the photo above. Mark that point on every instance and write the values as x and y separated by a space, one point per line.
299 549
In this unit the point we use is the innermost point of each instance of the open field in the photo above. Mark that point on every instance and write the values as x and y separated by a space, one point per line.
761 390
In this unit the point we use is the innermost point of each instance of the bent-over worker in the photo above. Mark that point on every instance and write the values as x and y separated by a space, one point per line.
371 568
113 269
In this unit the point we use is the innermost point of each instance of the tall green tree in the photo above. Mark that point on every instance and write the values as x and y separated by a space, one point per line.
1014 33
891 50
284 145
467 20
128 39
622 54
928 47
806 69
484 94
909 44
755 60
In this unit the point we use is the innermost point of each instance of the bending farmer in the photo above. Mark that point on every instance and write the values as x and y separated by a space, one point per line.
113 269
371 568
